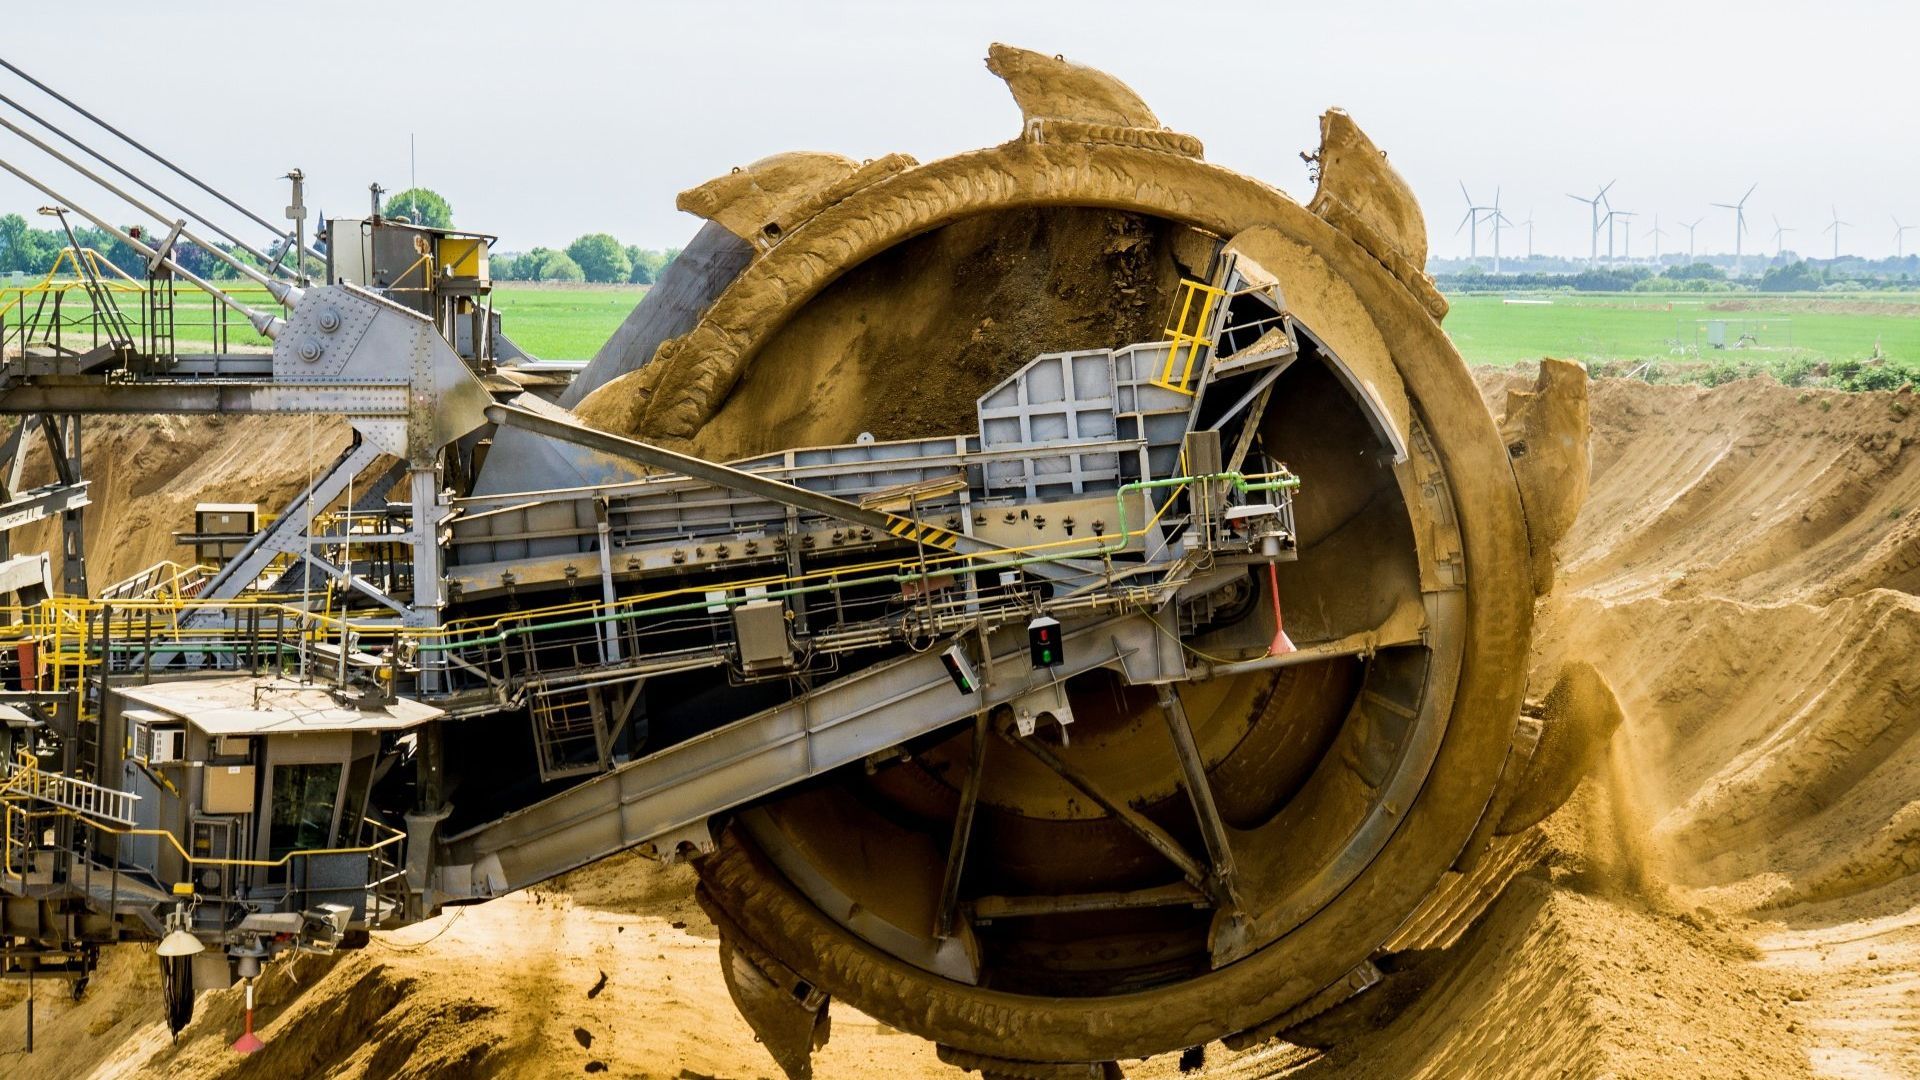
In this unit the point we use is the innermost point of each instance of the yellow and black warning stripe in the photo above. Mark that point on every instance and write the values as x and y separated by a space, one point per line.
931 535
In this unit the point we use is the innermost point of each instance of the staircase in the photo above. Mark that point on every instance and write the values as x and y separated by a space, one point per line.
22 780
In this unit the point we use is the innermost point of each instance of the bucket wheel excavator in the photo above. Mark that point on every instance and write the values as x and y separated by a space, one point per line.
1068 600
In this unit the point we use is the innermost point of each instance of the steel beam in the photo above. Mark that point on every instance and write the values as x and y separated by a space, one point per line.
42 503
1224 883
943 918
759 486
838 724
205 396
1139 824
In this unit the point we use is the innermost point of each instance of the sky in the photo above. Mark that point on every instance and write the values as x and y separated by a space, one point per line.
540 122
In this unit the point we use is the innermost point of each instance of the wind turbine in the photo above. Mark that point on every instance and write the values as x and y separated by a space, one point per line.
1593 204
1497 220
1656 233
1528 225
1607 220
1474 210
1834 228
1899 238
1739 225
1692 225
1779 231
1626 234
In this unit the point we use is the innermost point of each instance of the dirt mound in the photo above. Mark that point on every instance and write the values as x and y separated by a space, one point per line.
145 474
1810 306
1750 491
534 985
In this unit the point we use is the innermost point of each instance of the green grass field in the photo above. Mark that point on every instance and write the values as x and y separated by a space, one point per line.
1674 327
571 322
553 322
1778 333
563 322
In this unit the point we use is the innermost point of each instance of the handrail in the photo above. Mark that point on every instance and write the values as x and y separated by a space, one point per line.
214 331
397 837
92 258
68 617
25 779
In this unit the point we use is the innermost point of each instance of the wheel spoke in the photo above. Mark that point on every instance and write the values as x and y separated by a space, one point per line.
1223 884
1179 894
1156 837
944 914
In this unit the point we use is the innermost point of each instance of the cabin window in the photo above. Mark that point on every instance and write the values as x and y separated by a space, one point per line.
303 807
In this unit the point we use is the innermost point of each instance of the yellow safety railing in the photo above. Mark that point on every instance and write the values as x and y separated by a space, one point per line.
77 267
1186 333
65 631
15 813
21 778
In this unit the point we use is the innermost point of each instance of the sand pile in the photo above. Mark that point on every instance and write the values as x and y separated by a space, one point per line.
146 473
610 971
1735 894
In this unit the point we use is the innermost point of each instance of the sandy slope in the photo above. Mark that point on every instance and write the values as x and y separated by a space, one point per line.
145 474
1734 896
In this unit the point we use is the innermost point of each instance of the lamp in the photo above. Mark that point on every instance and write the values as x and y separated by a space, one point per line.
179 940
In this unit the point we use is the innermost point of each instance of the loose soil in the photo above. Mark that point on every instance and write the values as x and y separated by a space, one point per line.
1734 894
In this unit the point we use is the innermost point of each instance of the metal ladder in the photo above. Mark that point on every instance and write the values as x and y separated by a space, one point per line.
69 793
568 722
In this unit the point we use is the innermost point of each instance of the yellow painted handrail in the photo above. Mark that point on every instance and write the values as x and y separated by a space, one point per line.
396 837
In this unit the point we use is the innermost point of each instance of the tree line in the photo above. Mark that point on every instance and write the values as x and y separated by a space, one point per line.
596 257
593 257
27 250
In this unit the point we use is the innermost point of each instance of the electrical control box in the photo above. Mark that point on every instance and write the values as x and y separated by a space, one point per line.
760 626
221 530
227 789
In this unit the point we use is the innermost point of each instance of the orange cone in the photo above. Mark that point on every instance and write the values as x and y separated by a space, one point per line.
248 1042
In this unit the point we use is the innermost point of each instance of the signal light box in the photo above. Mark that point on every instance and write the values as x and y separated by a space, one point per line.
1043 642
960 669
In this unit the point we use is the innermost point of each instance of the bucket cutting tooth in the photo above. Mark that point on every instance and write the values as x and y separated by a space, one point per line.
1577 720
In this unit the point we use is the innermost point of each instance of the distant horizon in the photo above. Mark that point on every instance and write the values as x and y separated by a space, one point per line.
596 121
1759 259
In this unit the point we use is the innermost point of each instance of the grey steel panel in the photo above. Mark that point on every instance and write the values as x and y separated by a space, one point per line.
521 461
42 503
